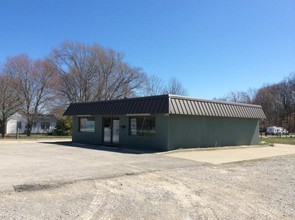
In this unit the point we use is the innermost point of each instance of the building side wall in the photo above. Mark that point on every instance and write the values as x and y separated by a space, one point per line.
153 142
37 129
19 120
178 131
11 127
196 131
159 141
87 137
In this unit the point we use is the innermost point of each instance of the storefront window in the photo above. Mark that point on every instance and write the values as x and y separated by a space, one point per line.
87 124
142 126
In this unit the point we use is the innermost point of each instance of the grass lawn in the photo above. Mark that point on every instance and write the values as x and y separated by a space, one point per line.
279 140
33 137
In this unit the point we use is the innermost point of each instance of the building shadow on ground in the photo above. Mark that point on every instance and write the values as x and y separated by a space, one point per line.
116 149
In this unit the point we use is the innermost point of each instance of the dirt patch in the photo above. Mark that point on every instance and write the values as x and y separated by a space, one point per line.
29 188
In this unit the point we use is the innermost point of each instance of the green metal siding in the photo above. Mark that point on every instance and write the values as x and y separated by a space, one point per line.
198 131
87 137
154 142
178 131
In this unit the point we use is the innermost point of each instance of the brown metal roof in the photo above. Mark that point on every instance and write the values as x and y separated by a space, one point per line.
143 105
167 104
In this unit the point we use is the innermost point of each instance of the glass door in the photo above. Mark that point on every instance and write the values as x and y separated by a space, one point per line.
111 130
115 131
107 125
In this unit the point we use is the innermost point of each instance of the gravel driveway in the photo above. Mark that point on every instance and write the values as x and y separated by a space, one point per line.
61 181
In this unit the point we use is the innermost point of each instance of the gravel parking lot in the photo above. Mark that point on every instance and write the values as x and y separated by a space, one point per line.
65 181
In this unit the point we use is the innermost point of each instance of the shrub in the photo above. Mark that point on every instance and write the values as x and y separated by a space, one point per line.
64 126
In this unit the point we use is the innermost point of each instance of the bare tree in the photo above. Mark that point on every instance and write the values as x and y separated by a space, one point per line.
288 101
175 87
268 98
35 83
241 96
277 101
10 100
234 97
153 85
90 72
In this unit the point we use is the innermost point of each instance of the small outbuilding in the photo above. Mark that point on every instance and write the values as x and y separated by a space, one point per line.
165 122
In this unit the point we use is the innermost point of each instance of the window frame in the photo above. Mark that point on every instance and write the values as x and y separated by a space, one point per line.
45 125
90 129
19 125
145 127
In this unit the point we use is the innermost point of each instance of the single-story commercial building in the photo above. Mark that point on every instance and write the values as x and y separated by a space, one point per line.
165 122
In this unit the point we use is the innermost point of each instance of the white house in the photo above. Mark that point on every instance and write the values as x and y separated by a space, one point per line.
44 124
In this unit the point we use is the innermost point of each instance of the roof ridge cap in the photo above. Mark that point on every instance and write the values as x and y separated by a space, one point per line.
214 101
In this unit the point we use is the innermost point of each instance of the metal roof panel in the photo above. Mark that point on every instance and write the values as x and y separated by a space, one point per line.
166 104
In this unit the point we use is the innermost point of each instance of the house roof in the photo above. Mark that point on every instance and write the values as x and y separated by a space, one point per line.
40 117
167 104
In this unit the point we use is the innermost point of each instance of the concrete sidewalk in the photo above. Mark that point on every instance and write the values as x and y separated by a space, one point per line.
228 155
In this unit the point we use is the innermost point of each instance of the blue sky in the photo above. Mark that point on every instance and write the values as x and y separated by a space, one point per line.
211 46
